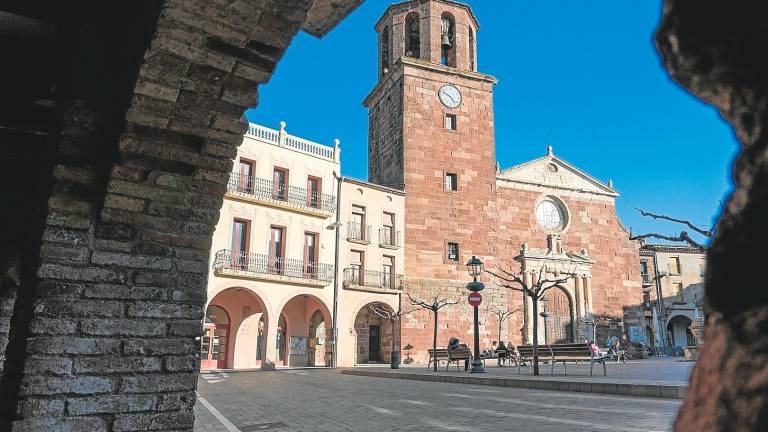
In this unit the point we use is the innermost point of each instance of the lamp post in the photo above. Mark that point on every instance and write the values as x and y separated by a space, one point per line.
475 267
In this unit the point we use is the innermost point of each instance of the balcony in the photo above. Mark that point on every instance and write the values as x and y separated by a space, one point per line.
389 238
265 267
267 192
372 281
647 279
357 233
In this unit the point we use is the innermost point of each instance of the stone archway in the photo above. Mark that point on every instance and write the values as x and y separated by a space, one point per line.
318 331
373 336
246 311
302 315
679 331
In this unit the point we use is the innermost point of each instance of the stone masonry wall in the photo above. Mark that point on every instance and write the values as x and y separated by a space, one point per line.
111 340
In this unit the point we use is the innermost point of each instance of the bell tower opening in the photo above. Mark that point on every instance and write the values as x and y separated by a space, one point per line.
385 51
412 30
448 40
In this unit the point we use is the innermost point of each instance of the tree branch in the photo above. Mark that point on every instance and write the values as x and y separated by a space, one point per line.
682 237
705 232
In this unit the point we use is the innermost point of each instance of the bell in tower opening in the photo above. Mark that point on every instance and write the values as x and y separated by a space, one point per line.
448 37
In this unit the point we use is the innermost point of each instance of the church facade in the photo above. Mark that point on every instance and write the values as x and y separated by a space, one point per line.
431 134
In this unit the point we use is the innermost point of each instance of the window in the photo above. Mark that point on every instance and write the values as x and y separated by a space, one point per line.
451 181
310 254
239 246
644 271
357 265
385 50
448 40
276 249
314 191
452 252
412 35
357 226
388 234
472 65
244 176
677 291
674 265
450 121
280 184
387 272
551 215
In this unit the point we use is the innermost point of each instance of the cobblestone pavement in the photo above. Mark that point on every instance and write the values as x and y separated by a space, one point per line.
324 400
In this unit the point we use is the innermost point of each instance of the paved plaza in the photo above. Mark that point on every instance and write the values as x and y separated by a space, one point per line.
324 400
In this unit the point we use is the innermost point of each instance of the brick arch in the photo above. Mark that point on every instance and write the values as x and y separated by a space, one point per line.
137 171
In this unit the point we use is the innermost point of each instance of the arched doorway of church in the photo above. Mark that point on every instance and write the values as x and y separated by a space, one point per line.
559 324
679 331
316 353
215 340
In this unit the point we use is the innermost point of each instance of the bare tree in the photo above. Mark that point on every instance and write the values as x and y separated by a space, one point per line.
536 292
502 314
683 237
436 301
383 311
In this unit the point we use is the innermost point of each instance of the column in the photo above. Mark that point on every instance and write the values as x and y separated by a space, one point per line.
270 342
579 289
528 278
588 289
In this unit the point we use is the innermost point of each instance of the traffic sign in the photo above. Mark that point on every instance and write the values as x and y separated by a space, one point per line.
475 299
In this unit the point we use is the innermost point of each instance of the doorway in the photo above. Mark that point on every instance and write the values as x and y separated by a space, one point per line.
214 343
374 344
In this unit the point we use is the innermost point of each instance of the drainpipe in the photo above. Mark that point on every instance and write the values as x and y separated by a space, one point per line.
337 226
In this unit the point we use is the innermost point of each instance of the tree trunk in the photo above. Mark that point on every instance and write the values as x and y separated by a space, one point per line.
500 321
393 335
535 335
434 338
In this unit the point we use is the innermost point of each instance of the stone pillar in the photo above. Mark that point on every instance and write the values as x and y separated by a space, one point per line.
579 290
270 347
588 291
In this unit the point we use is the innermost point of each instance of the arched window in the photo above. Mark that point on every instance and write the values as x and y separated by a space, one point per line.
385 50
413 35
448 40
472 52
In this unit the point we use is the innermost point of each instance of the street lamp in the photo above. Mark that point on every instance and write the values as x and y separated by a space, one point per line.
475 267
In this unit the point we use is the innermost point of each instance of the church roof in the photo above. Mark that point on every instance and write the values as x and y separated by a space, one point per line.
552 171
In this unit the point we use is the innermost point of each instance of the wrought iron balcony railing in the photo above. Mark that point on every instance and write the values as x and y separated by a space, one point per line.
388 237
646 278
268 190
269 265
358 232
372 279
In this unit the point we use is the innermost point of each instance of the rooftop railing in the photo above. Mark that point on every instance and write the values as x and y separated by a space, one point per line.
261 264
268 190
284 139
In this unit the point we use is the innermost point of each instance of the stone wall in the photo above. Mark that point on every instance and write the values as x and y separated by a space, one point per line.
103 334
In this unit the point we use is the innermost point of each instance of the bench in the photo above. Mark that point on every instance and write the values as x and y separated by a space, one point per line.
575 352
457 355
436 355
562 353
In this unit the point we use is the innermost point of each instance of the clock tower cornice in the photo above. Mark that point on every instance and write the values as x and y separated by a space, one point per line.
402 65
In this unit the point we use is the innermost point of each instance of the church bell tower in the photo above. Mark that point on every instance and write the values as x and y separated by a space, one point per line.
431 132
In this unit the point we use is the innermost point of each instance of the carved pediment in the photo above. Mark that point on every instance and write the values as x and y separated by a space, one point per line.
551 171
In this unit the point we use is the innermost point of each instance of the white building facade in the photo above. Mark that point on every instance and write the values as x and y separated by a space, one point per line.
275 282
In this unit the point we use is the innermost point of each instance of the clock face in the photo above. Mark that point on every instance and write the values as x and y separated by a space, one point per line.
449 96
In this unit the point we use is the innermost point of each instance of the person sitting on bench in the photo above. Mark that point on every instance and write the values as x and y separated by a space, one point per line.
453 343
596 350
501 353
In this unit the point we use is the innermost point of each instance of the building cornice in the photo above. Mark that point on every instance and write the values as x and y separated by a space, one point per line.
374 186
398 71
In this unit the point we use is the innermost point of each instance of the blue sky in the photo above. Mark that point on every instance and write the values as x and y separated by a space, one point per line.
582 76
